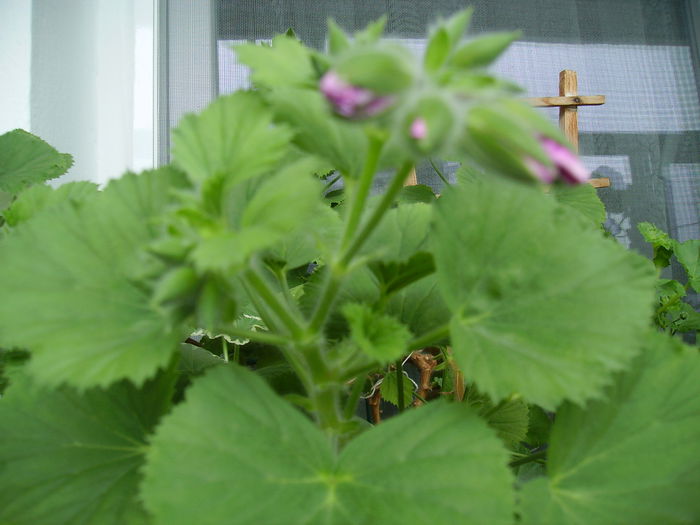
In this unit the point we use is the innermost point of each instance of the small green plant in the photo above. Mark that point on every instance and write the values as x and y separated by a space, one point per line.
673 313
556 401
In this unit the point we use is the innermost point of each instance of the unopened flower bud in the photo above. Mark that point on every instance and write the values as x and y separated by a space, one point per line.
352 101
419 129
567 165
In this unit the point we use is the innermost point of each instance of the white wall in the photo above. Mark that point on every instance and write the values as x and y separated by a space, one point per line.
79 73
15 63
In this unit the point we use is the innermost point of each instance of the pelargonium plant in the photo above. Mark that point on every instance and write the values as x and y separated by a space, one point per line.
511 337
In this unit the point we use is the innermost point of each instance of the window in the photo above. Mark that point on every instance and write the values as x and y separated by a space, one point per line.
641 54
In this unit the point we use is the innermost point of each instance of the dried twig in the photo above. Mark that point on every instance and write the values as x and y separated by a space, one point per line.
425 363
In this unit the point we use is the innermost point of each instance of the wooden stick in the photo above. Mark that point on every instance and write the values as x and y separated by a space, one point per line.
568 115
582 100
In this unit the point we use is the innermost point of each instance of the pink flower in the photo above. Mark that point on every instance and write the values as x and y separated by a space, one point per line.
567 165
419 129
351 101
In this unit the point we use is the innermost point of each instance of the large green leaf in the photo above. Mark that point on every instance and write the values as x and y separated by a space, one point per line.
278 206
402 232
688 254
273 466
541 305
233 138
582 198
72 292
662 244
420 306
37 198
509 417
67 458
634 458
25 159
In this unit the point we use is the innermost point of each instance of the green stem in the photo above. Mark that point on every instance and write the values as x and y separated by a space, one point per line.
542 454
431 337
326 402
281 311
236 354
323 306
224 347
359 196
399 385
354 396
377 213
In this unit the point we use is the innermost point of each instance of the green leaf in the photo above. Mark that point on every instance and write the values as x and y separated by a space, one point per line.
541 306
687 319
379 336
688 254
509 418
316 239
394 276
437 50
25 160
457 24
654 235
662 244
373 32
284 64
540 426
283 203
417 193
338 41
268 452
584 199
72 458
73 291
278 206
233 139
403 232
482 51
195 361
390 388
633 458
38 198
340 143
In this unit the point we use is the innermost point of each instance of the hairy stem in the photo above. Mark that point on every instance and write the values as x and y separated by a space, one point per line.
338 268
358 385
399 385
260 285
377 213
542 454
358 198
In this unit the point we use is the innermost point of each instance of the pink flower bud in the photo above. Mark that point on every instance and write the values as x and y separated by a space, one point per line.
351 101
419 128
567 165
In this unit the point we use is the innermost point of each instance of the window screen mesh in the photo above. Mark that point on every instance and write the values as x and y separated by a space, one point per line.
639 53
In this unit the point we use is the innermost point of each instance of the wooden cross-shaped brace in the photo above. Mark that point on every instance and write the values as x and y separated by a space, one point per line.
568 102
